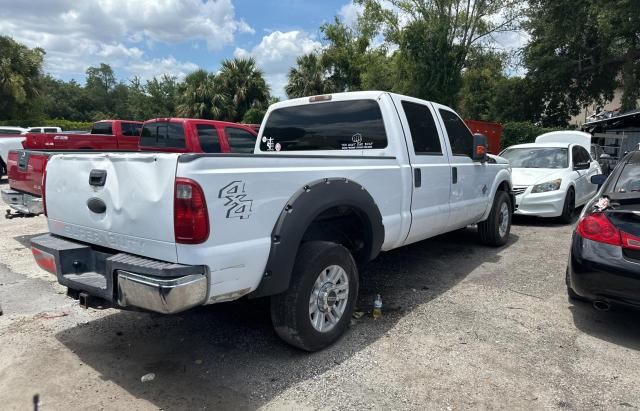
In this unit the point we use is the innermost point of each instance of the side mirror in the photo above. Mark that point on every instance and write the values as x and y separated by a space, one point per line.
598 179
582 166
479 148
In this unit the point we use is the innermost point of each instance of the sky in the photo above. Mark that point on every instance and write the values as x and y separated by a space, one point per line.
148 38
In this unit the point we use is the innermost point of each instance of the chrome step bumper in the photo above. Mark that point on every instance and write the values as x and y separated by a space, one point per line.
123 279
22 202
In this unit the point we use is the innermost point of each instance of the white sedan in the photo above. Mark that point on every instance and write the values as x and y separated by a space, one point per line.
552 178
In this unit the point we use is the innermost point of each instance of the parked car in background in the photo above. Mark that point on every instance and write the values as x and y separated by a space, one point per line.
604 262
44 130
188 135
331 181
12 131
104 135
26 167
551 176
8 143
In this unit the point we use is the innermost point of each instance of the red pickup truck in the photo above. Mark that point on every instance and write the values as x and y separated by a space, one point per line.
26 167
104 135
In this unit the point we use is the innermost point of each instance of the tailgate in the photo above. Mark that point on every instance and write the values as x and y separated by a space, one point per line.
25 170
137 192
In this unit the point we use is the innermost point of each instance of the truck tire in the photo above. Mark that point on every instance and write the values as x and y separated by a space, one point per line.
569 207
494 231
316 309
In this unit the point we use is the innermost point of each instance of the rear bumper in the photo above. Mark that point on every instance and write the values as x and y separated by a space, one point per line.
601 272
123 279
22 202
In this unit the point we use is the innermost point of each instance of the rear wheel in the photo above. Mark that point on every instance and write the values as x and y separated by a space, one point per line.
569 207
495 230
316 309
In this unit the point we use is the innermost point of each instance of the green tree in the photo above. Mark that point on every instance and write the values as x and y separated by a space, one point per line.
201 97
580 60
308 78
244 86
20 74
436 37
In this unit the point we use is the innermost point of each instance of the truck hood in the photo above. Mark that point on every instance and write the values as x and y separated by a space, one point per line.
530 176
498 159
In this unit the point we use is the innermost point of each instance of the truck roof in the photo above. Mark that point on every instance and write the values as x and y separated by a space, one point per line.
350 95
199 120
127 121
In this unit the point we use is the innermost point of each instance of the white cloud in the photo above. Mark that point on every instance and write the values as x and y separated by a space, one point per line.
277 53
77 34
157 67
350 12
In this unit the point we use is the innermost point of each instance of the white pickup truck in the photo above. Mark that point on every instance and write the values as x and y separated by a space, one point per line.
333 181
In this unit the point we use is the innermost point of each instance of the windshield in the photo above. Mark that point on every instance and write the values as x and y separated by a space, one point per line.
532 157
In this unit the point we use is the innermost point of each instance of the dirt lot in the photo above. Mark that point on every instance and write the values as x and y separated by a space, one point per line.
464 326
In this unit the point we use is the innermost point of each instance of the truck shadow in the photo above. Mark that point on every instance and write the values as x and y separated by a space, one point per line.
618 326
227 356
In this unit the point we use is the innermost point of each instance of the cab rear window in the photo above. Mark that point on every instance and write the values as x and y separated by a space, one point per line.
339 125
163 135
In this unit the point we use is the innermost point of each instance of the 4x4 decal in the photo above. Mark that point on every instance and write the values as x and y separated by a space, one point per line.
237 205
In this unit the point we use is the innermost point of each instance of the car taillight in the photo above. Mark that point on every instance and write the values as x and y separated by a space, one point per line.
43 189
190 216
630 241
597 227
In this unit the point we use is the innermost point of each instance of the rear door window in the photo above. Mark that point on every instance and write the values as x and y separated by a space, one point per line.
131 129
240 141
39 131
338 125
423 129
163 135
460 137
102 128
50 130
208 138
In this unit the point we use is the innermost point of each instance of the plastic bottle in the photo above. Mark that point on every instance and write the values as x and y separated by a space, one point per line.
377 307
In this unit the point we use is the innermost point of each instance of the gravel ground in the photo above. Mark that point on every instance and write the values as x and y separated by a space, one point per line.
463 326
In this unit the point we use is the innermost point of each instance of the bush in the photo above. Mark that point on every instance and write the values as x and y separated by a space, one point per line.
521 133
63 124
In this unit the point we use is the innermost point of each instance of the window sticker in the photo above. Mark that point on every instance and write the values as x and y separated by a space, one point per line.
270 143
357 143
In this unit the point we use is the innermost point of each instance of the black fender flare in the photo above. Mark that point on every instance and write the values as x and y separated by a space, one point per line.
298 214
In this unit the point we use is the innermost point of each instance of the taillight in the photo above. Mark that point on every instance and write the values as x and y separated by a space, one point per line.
190 216
43 189
630 241
44 260
597 227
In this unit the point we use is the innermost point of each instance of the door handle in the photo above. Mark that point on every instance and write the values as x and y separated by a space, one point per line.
417 177
454 175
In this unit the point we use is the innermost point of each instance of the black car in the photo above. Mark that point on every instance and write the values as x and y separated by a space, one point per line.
604 263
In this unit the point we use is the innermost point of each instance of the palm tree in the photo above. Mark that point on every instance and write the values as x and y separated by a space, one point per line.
308 78
244 85
201 97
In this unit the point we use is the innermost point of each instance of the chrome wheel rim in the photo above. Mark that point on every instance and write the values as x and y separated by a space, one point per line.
503 222
329 298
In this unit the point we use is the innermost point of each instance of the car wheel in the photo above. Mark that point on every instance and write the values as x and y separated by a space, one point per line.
316 309
569 207
495 230
3 169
